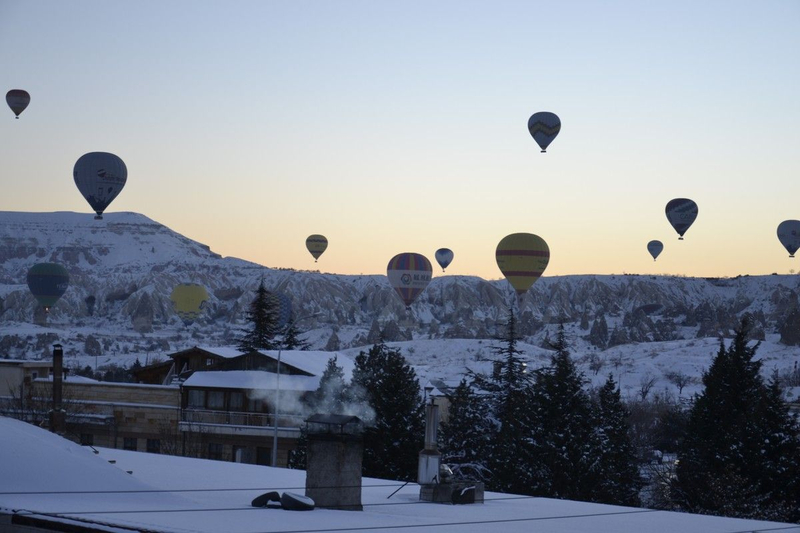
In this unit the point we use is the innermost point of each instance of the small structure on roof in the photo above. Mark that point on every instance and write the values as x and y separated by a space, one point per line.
333 461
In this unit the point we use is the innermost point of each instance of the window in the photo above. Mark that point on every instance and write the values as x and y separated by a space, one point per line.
238 454
87 439
237 401
257 406
34 375
153 446
197 399
209 362
215 451
129 443
216 400
264 456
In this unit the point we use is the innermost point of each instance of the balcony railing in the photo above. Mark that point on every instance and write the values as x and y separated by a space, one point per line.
240 418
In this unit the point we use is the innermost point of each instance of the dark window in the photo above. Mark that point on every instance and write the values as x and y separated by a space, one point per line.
237 401
87 439
129 443
264 456
197 399
238 454
153 446
216 400
215 451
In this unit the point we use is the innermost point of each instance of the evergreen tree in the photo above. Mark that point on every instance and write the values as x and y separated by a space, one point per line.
263 317
740 453
615 474
509 400
390 386
562 428
291 338
331 397
465 437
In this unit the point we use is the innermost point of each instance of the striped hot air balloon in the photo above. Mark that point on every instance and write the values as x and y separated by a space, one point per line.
544 127
522 258
48 282
409 273
316 245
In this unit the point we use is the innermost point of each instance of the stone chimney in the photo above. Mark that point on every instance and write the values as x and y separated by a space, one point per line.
333 461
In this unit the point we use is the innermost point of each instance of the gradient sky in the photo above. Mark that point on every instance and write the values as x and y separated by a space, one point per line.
401 126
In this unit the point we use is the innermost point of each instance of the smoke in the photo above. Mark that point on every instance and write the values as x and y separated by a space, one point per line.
332 396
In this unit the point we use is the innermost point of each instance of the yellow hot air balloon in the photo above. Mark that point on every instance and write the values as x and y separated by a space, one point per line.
316 244
522 258
188 300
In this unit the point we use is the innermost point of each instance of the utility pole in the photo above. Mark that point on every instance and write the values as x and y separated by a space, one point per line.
57 415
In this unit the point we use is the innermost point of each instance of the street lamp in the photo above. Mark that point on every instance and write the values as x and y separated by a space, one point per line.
278 390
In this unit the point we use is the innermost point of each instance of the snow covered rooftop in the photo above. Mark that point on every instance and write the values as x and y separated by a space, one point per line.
313 361
43 475
251 380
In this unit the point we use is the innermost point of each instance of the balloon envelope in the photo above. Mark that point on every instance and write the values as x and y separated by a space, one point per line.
522 258
655 248
544 127
789 235
100 177
188 300
444 256
283 306
48 282
681 213
18 100
409 273
316 245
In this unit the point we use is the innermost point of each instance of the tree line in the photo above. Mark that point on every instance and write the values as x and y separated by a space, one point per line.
544 433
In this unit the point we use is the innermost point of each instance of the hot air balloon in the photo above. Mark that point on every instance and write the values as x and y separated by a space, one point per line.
100 177
316 244
283 306
444 256
188 300
789 235
681 213
655 248
18 100
48 282
409 274
544 127
522 258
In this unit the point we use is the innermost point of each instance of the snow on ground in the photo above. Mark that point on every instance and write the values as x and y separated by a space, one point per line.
41 473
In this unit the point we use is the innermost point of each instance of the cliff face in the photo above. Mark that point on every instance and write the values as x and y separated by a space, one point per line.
123 269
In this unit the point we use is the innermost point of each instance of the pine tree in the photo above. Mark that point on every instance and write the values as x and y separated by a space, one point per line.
331 397
740 453
614 474
509 399
464 438
390 386
263 317
562 428
291 338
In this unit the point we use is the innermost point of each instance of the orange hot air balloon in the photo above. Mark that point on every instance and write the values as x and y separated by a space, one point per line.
522 258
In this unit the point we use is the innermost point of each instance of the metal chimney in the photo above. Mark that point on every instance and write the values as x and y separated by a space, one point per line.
429 457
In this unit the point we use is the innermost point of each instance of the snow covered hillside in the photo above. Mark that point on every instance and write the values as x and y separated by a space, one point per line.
123 269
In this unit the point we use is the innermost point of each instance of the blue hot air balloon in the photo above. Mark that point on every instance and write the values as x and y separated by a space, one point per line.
444 256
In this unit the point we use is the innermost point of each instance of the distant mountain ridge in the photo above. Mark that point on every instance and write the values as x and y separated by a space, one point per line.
124 267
